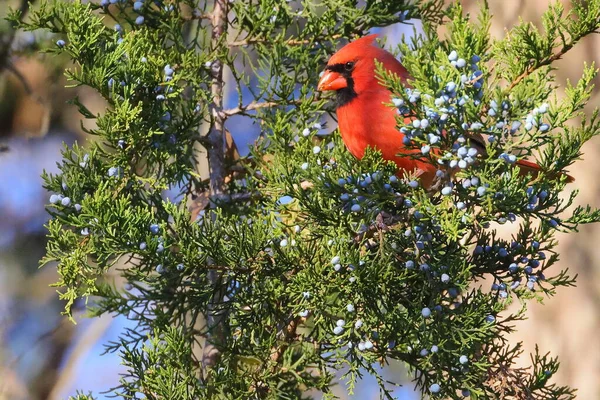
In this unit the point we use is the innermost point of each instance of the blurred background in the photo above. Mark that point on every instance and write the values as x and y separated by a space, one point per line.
44 356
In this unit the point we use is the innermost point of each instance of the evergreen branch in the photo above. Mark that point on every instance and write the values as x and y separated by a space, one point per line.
525 42
356 266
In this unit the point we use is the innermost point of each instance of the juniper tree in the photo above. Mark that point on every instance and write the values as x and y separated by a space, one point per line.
278 269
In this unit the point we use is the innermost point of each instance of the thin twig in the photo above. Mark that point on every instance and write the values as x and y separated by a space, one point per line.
289 335
548 61
255 105
235 197
289 42
533 68
9 66
196 15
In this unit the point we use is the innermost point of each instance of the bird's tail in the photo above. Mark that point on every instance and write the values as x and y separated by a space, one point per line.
530 167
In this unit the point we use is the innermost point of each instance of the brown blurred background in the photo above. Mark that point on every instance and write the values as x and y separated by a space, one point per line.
42 357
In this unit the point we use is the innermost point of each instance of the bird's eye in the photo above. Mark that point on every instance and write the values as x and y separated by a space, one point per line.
349 66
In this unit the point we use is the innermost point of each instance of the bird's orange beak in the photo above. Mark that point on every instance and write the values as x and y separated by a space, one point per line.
332 81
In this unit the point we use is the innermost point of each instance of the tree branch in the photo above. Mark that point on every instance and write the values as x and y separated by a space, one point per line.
535 67
289 42
288 336
9 66
256 105
554 57
216 161
197 15
216 135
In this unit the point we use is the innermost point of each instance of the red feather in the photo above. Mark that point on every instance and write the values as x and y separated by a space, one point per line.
365 119
529 167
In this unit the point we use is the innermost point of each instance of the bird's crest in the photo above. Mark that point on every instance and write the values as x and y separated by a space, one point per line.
362 46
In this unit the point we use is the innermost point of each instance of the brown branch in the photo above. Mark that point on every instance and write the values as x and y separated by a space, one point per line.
197 15
24 82
216 134
289 42
289 335
533 68
554 57
216 161
256 105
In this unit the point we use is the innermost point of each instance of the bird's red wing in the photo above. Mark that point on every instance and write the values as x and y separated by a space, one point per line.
525 166
393 65
531 167
477 141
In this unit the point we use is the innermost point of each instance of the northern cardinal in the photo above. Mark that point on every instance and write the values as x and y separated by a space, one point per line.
364 117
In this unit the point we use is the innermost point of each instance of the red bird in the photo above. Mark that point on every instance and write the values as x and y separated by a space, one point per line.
364 117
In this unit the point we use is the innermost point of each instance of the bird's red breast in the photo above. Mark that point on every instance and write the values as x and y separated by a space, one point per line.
364 117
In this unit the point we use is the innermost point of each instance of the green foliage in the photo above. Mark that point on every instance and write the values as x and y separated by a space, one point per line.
81 396
299 261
